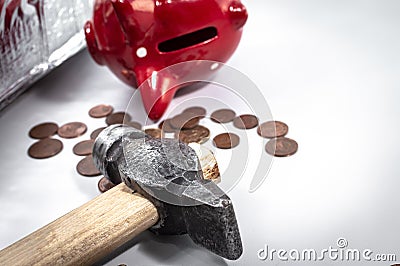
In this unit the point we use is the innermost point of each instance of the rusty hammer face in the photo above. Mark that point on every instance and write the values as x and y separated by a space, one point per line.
168 173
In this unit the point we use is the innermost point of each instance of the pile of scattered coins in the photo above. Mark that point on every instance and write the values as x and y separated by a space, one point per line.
184 126
47 146
279 145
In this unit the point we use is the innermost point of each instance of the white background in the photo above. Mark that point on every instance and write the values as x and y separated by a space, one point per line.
329 69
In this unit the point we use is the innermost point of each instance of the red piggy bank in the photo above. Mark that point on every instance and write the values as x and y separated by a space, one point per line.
137 38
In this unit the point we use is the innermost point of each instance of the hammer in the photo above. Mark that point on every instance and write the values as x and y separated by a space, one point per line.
163 189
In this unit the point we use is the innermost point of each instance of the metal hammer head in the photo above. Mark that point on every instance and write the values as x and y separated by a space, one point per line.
168 173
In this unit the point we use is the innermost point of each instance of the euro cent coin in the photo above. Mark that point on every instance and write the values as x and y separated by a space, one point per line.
226 140
281 147
86 167
272 129
245 121
45 148
223 116
101 110
43 130
72 130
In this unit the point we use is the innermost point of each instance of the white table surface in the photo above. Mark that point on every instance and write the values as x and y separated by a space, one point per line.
329 69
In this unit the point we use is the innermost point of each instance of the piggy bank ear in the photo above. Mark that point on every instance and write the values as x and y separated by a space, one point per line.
237 14
127 19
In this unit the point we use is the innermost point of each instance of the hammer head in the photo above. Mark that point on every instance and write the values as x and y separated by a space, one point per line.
168 173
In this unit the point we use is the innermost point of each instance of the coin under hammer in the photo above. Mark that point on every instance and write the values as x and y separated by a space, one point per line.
118 118
198 134
104 185
183 121
226 140
86 167
166 126
134 124
72 130
84 147
272 129
153 132
281 147
223 116
45 148
196 111
43 130
96 132
101 110
245 121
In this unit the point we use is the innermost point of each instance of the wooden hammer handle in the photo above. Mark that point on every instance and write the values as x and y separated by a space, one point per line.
86 234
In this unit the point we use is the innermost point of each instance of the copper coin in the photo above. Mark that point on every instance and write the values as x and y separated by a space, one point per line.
84 147
183 121
134 124
245 121
196 111
197 134
226 140
72 130
281 147
272 129
43 130
86 167
223 116
154 132
45 148
96 132
101 110
118 118
105 185
166 126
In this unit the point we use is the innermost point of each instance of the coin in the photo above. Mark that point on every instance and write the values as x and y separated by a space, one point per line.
154 132
272 129
105 185
166 126
281 147
245 121
183 121
86 167
45 148
223 116
134 124
226 140
196 110
72 130
118 118
96 132
101 110
199 134
43 130
84 147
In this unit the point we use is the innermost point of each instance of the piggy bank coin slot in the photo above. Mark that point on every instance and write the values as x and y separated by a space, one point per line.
187 40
